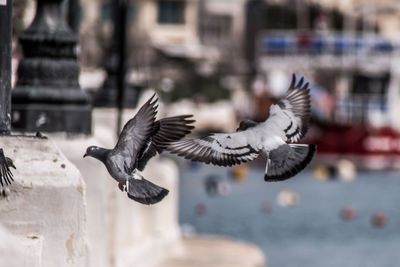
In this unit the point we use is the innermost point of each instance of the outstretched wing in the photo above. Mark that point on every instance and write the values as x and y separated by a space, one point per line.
6 176
171 129
292 113
135 134
217 149
165 131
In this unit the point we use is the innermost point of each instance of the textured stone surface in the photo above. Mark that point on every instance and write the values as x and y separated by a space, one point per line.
13 253
99 197
46 206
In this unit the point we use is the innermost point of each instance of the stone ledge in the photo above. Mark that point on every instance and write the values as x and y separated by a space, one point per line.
46 208
215 251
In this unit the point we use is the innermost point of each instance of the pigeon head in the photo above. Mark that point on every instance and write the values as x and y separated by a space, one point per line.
95 152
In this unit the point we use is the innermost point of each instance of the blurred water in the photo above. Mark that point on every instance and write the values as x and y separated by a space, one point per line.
309 234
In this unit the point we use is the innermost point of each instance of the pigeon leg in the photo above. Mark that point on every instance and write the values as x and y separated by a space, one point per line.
122 186
267 165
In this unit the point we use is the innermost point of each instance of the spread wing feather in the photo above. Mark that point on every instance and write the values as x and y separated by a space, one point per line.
165 131
171 129
136 132
6 176
292 113
217 149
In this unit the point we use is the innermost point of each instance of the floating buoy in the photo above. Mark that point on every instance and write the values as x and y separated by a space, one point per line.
224 188
188 230
348 213
347 170
239 172
200 209
193 165
320 173
211 185
287 198
325 172
266 207
378 219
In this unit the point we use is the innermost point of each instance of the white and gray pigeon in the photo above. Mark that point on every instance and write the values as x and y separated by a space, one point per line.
141 138
274 139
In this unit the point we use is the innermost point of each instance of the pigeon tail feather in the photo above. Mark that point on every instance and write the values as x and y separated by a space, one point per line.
298 157
145 192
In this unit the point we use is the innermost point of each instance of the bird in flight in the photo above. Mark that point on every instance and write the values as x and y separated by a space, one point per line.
275 139
6 176
141 138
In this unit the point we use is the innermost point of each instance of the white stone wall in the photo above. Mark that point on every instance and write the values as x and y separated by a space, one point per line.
99 197
16 251
45 213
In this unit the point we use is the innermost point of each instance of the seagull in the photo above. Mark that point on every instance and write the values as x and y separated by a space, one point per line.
6 176
141 139
274 139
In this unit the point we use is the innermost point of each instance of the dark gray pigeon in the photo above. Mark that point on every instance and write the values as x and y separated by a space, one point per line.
274 139
6 176
141 138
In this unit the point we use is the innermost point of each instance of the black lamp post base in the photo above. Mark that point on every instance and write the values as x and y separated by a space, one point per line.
47 96
68 118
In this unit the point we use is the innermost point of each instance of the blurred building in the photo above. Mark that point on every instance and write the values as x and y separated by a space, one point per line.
349 51
184 42
385 14
222 27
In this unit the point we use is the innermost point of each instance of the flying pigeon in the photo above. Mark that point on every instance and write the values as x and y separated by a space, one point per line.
6 176
274 139
141 138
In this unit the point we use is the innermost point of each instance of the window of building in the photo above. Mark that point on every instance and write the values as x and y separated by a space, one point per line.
215 30
171 12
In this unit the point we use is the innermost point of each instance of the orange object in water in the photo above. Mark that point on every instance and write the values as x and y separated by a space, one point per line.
239 172
379 219
200 209
348 213
266 207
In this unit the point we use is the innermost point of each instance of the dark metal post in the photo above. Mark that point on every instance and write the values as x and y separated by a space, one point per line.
5 66
107 95
47 96
255 17
122 6
74 15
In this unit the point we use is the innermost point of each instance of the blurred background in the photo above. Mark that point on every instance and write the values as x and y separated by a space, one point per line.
224 61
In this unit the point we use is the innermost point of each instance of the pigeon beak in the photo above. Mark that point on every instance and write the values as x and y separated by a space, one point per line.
85 155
